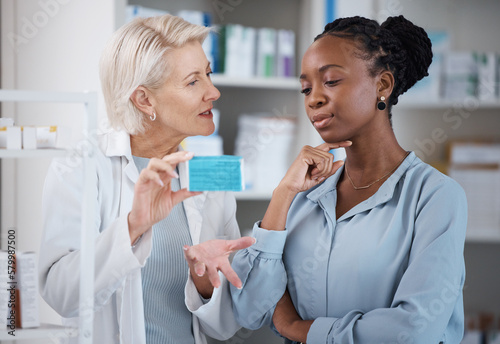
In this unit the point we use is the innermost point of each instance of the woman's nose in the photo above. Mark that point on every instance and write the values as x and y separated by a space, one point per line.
316 98
212 93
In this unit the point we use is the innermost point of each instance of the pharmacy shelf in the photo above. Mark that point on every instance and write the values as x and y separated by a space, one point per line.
483 237
42 332
253 195
89 100
468 104
32 153
276 83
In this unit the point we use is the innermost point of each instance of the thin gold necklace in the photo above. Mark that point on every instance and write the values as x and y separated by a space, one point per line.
385 175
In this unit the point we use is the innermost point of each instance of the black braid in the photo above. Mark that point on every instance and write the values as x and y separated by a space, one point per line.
397 45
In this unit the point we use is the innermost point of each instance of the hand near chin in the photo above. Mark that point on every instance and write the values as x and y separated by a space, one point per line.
312 166
153 195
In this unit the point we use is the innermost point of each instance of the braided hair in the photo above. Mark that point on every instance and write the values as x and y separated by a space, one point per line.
397 45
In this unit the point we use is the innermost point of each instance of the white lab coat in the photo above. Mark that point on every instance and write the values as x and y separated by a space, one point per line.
118 305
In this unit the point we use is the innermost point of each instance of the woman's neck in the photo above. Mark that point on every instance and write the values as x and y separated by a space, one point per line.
154 143
370 156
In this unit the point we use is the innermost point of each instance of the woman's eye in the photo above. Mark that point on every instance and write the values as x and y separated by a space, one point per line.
209 73
192 83
305 91
331 82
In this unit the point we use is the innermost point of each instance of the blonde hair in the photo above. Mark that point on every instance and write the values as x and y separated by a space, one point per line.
135 56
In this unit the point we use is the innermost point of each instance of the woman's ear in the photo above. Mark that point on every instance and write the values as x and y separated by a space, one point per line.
385 84
141 99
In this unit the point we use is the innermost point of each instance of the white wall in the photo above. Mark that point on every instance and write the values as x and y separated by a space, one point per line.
48 45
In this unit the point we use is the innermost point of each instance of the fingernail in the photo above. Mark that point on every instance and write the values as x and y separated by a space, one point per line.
189 154
175 175
160 182
254 240
185 247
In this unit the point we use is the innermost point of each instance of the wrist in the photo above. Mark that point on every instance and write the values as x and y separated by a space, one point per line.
135 231
284 194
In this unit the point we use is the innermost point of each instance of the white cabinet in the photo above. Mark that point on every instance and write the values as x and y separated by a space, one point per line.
89 100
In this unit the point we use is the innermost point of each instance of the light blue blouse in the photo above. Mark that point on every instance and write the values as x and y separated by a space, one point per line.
390 270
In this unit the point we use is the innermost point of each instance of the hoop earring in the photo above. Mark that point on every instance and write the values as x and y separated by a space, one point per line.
381 105
152 118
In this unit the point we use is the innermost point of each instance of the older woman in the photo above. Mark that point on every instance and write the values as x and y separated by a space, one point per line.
156 84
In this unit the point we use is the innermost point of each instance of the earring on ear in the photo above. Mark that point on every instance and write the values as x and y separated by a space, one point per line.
381 105
153 117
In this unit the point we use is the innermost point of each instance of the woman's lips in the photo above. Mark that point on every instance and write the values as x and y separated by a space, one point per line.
207 113
322 120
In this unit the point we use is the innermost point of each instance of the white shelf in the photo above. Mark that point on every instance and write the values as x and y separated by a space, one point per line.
89 100
468 104
483 237
32 153
253 195
44 331
256 82
46 96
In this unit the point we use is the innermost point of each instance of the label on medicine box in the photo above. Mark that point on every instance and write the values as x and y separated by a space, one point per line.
215 173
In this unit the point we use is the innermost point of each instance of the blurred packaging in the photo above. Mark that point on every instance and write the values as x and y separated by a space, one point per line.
460 75
487 63
266 52
46 137
285 57
133 11
264 141
476 167
4 124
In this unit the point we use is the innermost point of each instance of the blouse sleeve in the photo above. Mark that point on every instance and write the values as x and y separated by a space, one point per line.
261 270
428 299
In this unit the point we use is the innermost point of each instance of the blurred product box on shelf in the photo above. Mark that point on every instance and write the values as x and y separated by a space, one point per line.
4 124
266 52
236 50
46 137
14 137
460 73
133 11
204 145
27 283
4 288
265 142
476 167
481 328
474 152
487 63
285 59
